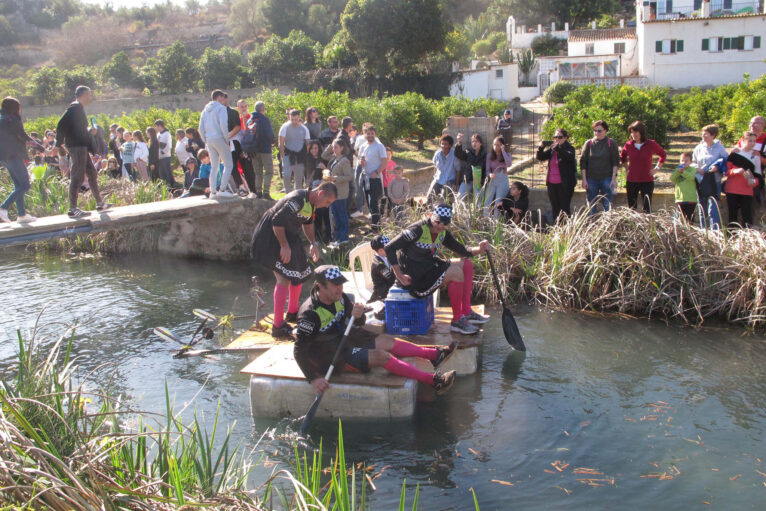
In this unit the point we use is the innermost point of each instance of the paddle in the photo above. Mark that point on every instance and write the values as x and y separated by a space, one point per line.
315 405
205 316
511 331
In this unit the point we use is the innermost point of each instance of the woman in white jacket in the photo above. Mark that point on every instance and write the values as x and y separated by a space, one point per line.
214 130
141 155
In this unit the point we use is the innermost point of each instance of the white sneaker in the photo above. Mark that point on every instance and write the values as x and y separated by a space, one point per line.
26 219
224 194
356 214
4 216
211 195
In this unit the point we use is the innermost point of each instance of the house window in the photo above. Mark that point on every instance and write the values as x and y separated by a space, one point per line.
565 70
619 47
743 42
610 67
593 69
498 73
727 4
590 49
669 46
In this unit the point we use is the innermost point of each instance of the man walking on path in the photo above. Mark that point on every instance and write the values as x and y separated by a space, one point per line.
166 146
214 131
263 166
72 131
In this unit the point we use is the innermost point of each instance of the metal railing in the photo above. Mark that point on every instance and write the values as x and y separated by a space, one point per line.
609 81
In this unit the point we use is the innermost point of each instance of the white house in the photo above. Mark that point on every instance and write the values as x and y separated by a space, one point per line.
519 38
496 81
686 43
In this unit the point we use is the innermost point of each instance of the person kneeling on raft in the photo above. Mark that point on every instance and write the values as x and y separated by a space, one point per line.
421 272
321 323
276 245
382 275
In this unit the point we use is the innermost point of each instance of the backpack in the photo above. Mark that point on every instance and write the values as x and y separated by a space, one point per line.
248 143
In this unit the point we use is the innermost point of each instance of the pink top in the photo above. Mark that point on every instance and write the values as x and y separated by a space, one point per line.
388 173
554 176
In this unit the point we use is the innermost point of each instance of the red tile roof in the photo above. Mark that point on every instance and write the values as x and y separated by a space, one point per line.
601 34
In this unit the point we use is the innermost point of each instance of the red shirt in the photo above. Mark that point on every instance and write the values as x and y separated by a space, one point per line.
640 160
737 183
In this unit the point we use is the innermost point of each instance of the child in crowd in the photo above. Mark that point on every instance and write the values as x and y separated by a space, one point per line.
685 181
112 167
141 155
201 185
191 172
741 169
65 163
128 151
382 275
685 185
398 191
516 204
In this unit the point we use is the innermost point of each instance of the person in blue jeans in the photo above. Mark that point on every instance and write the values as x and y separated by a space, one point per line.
13 151
599 163
339 172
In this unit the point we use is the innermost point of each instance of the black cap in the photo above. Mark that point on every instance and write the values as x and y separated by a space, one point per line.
379 242
329 273
444 212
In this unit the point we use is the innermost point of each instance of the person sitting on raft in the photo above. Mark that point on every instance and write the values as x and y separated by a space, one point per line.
321 323
277 246
421 272
382 275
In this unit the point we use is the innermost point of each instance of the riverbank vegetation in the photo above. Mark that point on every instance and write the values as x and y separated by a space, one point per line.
67 445
625 262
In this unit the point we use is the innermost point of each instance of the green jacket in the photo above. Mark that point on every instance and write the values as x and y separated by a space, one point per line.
686 185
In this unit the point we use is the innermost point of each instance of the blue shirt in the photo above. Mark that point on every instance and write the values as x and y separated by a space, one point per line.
204 171
446 167
264 133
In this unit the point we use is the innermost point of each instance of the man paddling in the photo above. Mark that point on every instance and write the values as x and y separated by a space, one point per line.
277 246
413 259
321 322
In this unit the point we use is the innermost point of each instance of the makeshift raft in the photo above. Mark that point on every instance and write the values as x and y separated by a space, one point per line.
278 388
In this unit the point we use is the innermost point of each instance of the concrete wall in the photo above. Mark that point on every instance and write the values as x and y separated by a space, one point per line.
693 66
117 107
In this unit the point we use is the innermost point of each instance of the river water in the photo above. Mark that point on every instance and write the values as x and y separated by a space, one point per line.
651 415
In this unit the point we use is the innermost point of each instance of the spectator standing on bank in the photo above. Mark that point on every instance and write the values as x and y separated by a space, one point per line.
165 143
599 162
685 181
235 145
340 174
312 123
561 178
293 137
115 141
154 153
504 129
128 152
474 165
638 153
373 159
141 155
180 149
327 135
214 130
13 151
757 126
498 164
193 142
72 132
741 169
359 184
263 165
245 162
447 166
399 192
710 158
347 124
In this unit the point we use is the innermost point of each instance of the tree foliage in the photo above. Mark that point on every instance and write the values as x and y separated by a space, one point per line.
46 85
413 29
548 45
173 70
575 12
221 69
119 70
246 20
279 57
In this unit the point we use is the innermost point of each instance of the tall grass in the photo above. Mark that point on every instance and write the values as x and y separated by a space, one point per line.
623 261
64 447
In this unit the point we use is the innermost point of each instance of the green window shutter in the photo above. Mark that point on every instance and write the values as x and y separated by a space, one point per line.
757 41
672 46
705 44
680 45
727 43
658 47
741 42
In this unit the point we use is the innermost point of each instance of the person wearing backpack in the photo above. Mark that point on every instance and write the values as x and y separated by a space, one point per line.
260 152
599 163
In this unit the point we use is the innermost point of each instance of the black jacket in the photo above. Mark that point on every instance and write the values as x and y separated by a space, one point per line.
382 279
567 162
72 128
13 138
471 159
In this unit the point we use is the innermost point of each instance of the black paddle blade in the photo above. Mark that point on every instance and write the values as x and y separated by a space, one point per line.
310 415
511 331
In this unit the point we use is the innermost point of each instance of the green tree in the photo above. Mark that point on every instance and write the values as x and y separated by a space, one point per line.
279 57
575 12
337 54
220 69
78 75
414 29
546 45
46 85
284 16
457 47
526 60
482 48
9 36
119 70
173 70
246 20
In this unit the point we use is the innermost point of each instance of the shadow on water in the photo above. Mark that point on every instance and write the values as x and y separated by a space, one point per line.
629 399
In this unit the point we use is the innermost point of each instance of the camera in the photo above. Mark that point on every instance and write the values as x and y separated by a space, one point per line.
546 143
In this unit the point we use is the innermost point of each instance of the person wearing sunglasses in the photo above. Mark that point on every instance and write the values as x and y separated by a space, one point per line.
561 178
599 162
413 259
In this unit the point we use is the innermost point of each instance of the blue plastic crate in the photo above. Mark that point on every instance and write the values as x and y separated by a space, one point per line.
410 316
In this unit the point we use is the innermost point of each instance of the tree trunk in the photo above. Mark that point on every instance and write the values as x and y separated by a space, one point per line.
420 142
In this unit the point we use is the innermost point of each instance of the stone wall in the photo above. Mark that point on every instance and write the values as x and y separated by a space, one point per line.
116 107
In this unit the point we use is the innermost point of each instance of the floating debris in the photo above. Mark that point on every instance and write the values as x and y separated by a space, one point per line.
504 483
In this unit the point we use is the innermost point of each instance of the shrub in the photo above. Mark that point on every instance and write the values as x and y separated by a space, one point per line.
482 48
558 91
619 107
546 45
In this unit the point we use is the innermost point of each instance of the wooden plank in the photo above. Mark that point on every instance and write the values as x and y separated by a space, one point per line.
278 362
258 336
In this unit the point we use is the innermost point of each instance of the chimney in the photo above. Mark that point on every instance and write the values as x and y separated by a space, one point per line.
593 25
705 9
539 29
553 26
622 23
566 26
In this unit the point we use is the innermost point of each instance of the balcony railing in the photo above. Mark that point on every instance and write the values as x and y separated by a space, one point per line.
717 8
